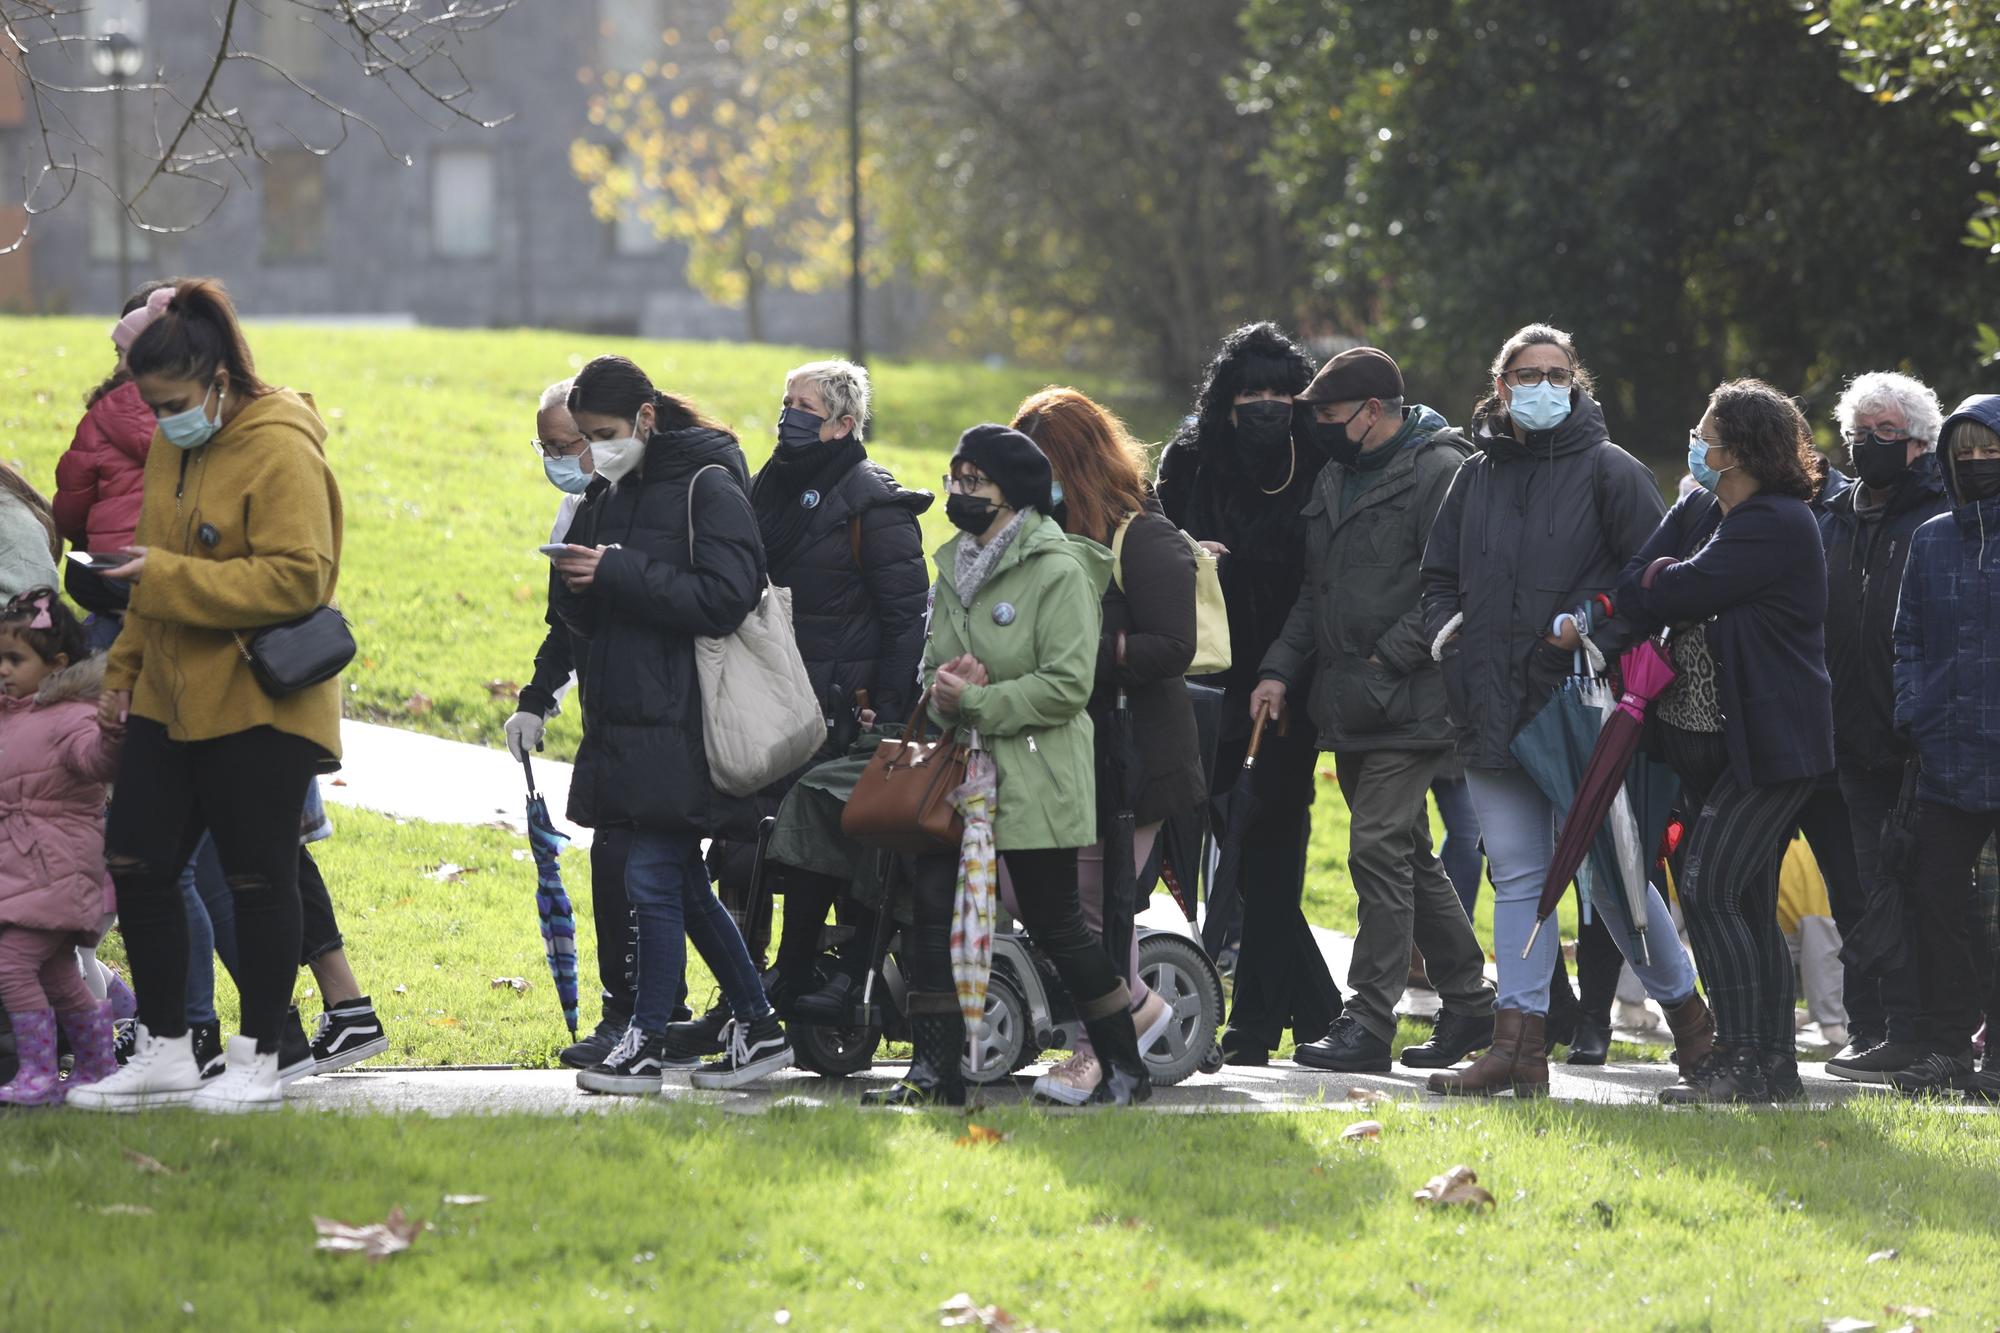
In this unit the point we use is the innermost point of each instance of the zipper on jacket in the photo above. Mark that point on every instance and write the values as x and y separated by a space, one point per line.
1047 767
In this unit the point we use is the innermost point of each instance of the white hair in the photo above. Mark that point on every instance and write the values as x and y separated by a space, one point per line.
843 387
556 395
1879 389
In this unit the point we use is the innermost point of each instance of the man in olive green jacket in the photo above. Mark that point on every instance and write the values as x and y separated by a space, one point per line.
1377 699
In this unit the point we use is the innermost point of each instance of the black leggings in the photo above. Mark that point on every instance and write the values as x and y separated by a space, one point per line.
1045 892
245 789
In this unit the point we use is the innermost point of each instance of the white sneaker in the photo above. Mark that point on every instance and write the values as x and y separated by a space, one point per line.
160 1072
1071 1082
249 1084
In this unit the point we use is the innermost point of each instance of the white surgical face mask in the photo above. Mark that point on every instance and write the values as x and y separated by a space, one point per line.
614 458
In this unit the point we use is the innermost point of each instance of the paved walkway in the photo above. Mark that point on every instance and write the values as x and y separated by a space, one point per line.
1281 1087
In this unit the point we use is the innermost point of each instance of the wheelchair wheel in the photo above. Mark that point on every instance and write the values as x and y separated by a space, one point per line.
1007 1046
1179 972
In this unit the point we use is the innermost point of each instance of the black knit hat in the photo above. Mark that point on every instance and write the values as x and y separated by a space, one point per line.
1011 461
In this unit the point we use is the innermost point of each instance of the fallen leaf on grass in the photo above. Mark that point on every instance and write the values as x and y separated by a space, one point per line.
979 1136
1459 1186
1366 1096
1881 1256
519 985
962 1312
502 689
464 1200
337 782
1363 1129
448 872
1846 1325
152 1166
522 592
417 705
125 1210
378 1240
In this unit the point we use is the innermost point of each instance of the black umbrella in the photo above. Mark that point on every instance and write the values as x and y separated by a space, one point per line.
552 904
1878 943
1232 826
1118 766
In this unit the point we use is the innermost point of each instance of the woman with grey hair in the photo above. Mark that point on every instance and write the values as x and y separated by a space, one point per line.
842 534
1889 423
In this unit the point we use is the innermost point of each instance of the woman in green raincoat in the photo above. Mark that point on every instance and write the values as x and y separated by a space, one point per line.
1012 655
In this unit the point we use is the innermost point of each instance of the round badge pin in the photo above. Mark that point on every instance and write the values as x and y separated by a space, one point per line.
1003 614
810 499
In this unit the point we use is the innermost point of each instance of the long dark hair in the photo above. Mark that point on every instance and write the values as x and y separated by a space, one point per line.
1255 356
1769 436
613 386
122 372
197 333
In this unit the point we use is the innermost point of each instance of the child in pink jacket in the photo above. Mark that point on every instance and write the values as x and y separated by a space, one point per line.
55 759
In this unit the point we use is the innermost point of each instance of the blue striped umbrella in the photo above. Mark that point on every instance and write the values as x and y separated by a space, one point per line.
551 899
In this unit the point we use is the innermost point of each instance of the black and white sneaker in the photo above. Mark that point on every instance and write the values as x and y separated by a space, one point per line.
590 1051
125 1038
349 1032
631 1070
295 1052
750 1052
683 1049
208 1054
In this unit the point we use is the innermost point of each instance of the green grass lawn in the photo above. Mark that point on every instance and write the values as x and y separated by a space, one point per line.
689 1217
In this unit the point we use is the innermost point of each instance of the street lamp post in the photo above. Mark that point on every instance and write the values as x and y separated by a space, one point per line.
117 58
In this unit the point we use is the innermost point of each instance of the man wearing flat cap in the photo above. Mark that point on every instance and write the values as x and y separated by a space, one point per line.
1355 638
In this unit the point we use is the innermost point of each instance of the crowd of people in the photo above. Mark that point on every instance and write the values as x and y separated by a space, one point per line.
1404 593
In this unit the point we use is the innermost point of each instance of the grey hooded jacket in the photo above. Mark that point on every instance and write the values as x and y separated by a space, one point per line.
1529 529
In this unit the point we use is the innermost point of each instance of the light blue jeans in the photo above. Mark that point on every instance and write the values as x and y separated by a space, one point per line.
1518 825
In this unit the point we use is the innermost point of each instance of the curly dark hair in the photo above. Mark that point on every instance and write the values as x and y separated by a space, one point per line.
64 635
1768 436
1256 356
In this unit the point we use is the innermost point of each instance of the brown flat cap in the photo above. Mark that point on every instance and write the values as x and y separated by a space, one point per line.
1356 374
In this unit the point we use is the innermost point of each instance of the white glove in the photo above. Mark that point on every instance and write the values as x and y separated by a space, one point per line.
524 734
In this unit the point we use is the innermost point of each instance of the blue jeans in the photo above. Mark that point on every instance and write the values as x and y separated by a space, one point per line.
1464 863
1518 824
211 917
671 898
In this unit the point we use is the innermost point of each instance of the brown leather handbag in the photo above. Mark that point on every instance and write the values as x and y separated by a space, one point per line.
902 802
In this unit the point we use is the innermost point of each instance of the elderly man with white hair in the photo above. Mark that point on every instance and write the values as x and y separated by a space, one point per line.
1889 423
565 457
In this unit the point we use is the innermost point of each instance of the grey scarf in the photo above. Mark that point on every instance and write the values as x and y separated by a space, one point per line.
974 563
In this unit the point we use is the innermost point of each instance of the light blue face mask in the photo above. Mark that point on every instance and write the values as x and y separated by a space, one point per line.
567 474
192 429
1698 466
1539 406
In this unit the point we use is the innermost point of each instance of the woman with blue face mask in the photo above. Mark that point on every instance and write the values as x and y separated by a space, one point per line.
1536 524
1736 571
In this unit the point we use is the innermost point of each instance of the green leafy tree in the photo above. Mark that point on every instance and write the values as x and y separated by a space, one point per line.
1690 188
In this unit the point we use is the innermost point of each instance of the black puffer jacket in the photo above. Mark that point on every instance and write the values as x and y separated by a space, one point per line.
1150 600
1867 541
643 763
1529 530
860 627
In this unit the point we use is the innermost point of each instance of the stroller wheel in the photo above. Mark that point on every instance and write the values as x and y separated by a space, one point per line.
1001 1042
834 1052
1179 972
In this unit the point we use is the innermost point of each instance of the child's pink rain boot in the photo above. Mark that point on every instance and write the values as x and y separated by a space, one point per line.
36 1082
92 1041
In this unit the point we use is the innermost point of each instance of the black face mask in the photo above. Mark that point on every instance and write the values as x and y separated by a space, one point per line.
1879 463
970 513
1331 437
798 430
1978 478
1264 438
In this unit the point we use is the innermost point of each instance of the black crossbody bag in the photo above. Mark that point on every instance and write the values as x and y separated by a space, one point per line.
300 653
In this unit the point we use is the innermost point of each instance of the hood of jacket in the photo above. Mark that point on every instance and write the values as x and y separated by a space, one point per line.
1983 408
1493 432
79 680
281 409
127 423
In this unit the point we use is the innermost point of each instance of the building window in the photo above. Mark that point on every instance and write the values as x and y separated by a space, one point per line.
628 32
462 203
294 206
106 217
290 41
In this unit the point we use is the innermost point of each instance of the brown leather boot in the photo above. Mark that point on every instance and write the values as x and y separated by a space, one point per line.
1518 1061
1694 1032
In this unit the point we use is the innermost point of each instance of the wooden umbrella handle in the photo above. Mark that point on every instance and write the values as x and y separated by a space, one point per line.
1256 739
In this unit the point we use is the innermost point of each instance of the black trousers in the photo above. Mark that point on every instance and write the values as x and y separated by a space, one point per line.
1044 890
1952 978
611 918
1881 1003
246 790
1281 977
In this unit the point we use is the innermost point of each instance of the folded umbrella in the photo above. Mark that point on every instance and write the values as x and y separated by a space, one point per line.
1879 941
973 906
1232 825
551 899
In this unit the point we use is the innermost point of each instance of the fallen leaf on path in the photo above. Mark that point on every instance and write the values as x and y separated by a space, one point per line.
519 985
1459 1186
417 705
502 689
448 872
1881 1256
1846 1325
1367 1096
152 1166
378 1240
979 1136
125 1210
961 1311
464 1200
1363 1129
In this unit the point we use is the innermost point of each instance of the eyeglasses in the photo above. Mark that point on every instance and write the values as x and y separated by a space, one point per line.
966 484
1527 377
1857 438
556 449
